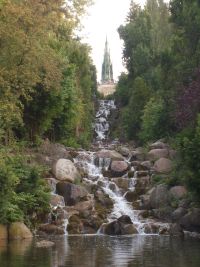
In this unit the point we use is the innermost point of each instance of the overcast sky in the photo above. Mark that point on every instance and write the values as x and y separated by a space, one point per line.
104 18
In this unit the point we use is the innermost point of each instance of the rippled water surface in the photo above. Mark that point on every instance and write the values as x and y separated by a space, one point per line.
101 251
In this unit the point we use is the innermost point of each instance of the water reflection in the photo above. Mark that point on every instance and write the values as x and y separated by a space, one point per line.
104 251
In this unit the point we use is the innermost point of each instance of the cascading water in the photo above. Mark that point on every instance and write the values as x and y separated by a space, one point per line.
101 122
95 173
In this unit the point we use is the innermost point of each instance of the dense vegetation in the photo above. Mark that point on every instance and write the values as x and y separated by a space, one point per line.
47 85
160 94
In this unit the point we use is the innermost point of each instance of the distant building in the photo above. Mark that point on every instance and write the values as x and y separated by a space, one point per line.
107 85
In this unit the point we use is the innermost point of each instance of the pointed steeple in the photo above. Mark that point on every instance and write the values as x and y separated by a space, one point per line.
107 69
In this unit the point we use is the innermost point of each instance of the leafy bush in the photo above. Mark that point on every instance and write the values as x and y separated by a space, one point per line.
24 195
154 120
188 143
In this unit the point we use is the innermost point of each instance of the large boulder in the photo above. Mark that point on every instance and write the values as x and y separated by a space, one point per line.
155 154
159 145
72 193
48 153
121 226
178 192
131 196
163 165
118 168
191 221
3 232
159 197
176 230
104 157
19 230
65 170
178 214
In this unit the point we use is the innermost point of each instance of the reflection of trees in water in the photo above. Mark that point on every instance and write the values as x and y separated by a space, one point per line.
23 254
103 251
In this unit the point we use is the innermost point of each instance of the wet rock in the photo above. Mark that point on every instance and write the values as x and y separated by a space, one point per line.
125 219
159 197
145 202
178 192
103 199
163 165
156 154
191 221
122 183
19 230
65 170
144 214
44 244
57 200
51 229
75 225
131 196
3 232
122 226
107 155
142 185
112 186
118 168
72 193
178 214
176 230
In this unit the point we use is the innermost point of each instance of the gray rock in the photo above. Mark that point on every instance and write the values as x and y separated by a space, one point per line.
163 165
159 197
107 155
178 214
121 226
176 230
72 193
159 145
191 221
65 170
131 196
156 154
178 192
118 168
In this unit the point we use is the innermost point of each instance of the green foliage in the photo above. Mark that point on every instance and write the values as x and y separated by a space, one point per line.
47 78
188 143
154 120
24 196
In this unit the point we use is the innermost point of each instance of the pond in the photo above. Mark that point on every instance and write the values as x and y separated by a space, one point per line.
104 251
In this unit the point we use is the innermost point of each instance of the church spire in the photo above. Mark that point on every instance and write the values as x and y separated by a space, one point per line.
107 69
